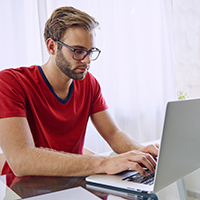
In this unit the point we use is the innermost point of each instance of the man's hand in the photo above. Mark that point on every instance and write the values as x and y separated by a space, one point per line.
130 160
151 149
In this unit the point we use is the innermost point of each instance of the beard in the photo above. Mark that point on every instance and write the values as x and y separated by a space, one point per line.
66 67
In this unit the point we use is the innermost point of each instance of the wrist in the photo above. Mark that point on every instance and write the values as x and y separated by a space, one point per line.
99 165
140 147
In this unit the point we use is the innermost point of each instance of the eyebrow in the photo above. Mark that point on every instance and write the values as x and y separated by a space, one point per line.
81 47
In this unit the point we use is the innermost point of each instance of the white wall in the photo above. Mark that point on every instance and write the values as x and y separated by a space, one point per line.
186 14
135 68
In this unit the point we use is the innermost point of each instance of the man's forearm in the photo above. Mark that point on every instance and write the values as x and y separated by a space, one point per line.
118 140
121 142
47 162
43 162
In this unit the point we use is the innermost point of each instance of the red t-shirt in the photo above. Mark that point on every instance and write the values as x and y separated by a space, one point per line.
55 123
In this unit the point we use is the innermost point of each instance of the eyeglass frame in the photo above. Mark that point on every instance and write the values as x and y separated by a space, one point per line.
74 50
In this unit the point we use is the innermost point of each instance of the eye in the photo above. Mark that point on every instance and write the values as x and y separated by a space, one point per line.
79 51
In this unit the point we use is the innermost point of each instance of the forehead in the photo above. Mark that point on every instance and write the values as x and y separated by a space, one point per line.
78 36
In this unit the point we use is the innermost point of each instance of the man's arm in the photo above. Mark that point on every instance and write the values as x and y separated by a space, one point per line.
25 159
120 141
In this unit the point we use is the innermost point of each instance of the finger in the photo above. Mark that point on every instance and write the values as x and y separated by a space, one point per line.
148 162
153 162
157 145
152 149
146 157
145 160
136 166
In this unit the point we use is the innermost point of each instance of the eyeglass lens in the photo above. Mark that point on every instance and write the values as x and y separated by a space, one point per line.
81 54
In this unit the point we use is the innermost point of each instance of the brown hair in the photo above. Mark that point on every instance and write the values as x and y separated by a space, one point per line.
65 17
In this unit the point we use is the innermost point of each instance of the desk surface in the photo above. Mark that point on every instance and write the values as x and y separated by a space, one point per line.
37 185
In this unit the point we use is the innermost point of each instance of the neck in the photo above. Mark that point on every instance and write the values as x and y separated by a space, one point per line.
59 82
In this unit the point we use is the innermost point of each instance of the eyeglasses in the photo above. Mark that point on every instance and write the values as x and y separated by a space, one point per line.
80 54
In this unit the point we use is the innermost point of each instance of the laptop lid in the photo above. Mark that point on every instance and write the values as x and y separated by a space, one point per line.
178 153
179 150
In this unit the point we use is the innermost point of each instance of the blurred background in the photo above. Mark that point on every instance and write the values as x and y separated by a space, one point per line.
136 68
150 53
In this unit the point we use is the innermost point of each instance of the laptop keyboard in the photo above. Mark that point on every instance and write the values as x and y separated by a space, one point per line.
139 178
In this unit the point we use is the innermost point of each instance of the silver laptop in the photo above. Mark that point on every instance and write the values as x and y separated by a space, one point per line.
178 153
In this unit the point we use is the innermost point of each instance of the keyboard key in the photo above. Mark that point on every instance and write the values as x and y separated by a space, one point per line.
139 178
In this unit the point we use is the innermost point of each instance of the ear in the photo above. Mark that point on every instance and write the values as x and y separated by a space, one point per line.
51 46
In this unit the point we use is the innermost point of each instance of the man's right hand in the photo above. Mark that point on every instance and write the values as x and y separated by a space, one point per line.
135 160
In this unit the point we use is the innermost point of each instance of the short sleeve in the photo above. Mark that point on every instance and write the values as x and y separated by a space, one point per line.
12 96
98 101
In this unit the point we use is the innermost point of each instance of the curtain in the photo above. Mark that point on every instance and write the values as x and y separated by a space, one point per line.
136 66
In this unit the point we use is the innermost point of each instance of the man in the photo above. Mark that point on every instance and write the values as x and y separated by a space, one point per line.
45 109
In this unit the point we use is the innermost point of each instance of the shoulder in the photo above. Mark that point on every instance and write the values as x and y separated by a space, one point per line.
19 79
89 78
18 73
88 83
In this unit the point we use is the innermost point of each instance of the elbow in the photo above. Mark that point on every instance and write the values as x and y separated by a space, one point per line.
18 165
16 168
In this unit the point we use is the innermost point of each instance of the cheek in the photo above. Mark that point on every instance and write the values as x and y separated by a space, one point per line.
64 60
60 57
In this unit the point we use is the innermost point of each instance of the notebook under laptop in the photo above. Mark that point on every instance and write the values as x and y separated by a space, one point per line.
178 153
